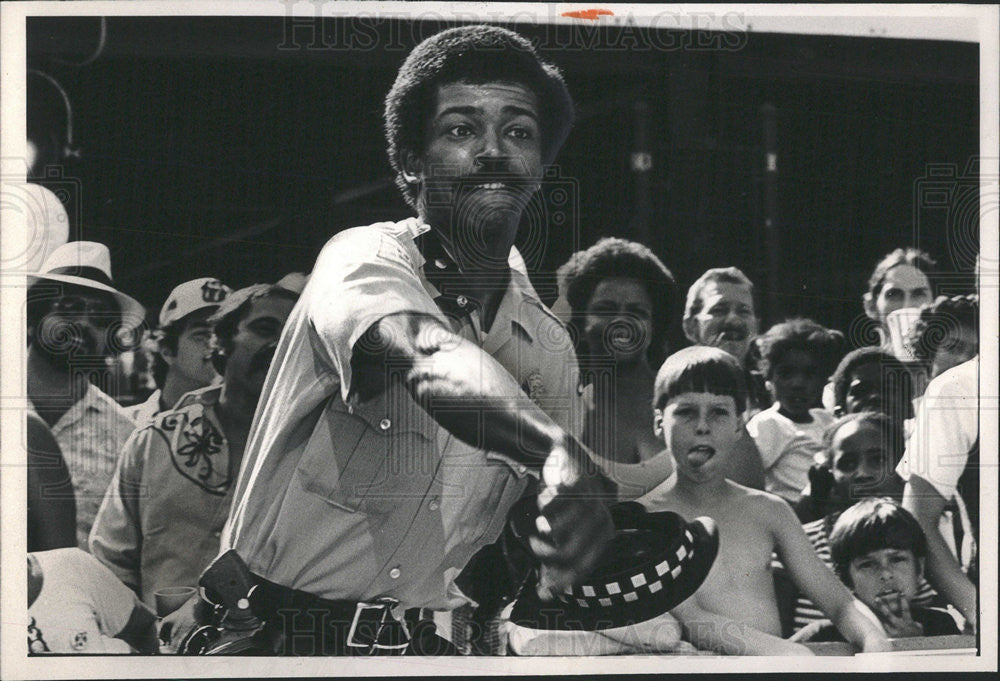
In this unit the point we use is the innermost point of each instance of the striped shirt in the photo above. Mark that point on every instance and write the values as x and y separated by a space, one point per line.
818 533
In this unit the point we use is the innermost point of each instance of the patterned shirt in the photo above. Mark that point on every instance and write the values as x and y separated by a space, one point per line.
355 500
91 434
160 522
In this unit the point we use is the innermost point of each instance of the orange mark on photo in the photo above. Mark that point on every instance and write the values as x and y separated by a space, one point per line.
591 14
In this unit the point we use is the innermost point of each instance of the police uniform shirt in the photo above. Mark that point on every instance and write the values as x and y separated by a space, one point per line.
355 500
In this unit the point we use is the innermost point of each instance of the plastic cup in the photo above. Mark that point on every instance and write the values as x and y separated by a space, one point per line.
899 323
168 599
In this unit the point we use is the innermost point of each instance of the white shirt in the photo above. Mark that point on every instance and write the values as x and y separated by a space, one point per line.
945 428
787 449
81 606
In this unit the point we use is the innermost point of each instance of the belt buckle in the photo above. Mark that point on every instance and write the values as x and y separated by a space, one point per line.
384 605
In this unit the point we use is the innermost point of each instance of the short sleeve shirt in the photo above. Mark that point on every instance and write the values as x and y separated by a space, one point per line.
787 448
160 523
144 412
945 429
81 608
91 435
355 500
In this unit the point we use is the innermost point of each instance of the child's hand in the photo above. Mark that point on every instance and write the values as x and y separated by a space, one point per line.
894 611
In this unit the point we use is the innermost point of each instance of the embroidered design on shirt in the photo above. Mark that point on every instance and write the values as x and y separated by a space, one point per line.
198 442
36 641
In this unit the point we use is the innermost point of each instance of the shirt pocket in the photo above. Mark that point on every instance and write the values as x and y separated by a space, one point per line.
371 457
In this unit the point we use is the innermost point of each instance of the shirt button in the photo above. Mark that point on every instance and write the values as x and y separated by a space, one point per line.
434 505
462 301
384 424
522 469
217 534
394 573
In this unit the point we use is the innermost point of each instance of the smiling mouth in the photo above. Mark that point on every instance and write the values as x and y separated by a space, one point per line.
733 335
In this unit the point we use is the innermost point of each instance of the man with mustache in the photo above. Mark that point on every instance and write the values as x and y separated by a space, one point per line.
421 386
160 522
720 313
75 322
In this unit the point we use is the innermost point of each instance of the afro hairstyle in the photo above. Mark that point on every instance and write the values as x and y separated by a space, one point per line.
470 54
611 258
824 344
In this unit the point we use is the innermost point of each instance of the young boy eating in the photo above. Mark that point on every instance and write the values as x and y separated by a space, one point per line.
878 550
700 397
797 358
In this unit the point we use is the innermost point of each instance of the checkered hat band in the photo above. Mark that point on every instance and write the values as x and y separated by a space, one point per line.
629 588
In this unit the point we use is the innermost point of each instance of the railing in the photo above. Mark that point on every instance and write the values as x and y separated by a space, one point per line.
917 645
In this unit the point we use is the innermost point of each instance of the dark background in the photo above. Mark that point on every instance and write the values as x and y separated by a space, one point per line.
236 147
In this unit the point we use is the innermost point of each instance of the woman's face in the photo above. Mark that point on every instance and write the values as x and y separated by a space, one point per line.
903 286
618 320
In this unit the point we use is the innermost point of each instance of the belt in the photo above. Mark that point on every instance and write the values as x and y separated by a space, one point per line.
307 624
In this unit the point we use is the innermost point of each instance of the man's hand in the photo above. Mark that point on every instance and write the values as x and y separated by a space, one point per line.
574 526
894 611
176 626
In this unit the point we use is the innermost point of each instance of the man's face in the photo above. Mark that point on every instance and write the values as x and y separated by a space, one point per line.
77 325
619 320
797 383
254 343
482 160
726 320
862 463
193 358
885 574
700 430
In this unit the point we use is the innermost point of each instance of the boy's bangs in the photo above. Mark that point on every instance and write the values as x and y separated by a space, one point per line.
874 525
716 372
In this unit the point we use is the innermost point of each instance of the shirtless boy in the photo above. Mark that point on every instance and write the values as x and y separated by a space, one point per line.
700 397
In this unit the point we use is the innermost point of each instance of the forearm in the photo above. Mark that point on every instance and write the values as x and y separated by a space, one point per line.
473 397
943 571
708 631
857 628
115 538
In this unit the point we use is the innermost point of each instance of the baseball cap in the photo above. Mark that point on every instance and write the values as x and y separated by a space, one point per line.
191 296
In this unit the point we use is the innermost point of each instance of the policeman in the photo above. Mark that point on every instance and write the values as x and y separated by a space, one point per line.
420 385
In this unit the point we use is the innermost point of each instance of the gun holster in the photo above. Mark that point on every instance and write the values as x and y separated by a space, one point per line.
232 628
